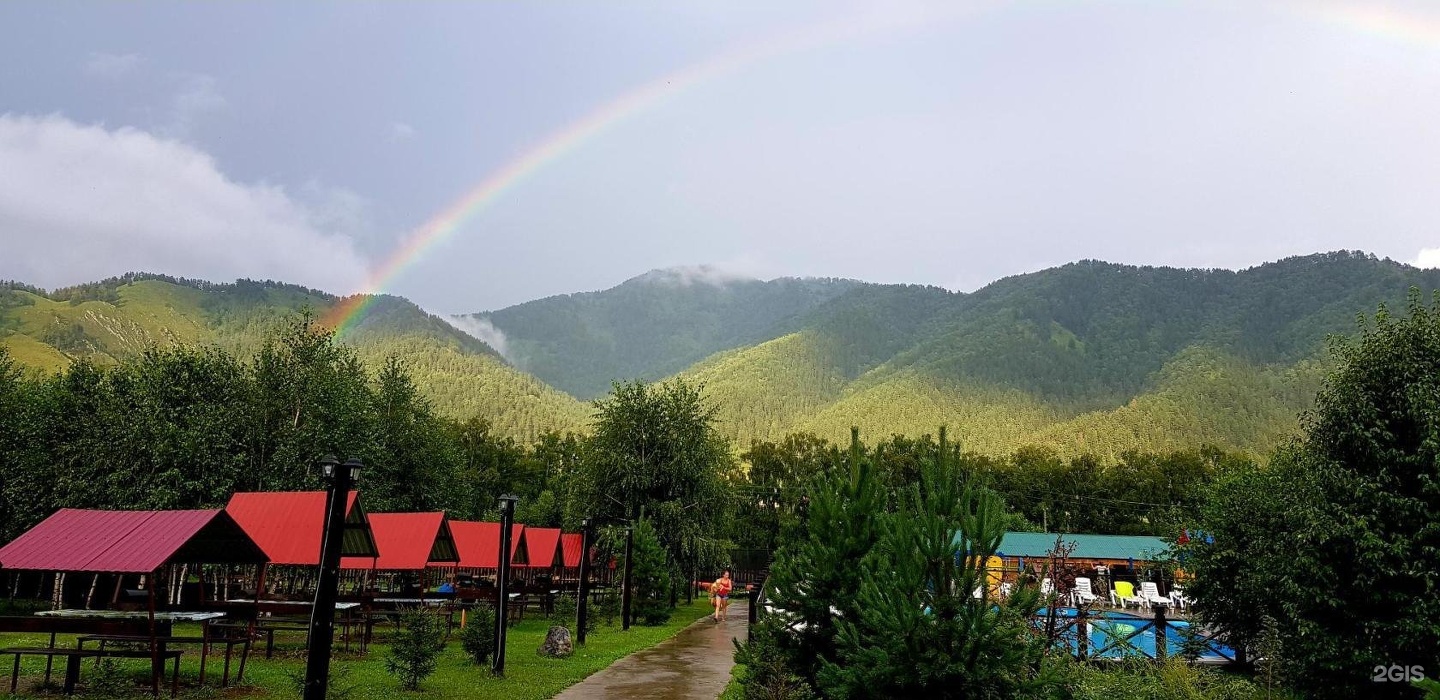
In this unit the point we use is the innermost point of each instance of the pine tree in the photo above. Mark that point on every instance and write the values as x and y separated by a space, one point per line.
651 578
920 630
815 576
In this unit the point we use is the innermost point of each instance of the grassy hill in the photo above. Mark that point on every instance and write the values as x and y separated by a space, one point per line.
1088 357
119 318
650 326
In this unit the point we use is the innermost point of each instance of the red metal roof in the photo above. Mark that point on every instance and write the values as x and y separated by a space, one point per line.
542 547
479 543
570 543
129 541
288 524
407 542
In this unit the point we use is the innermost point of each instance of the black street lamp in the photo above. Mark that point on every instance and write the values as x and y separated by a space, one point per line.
502 604
625 586
339 479
582 603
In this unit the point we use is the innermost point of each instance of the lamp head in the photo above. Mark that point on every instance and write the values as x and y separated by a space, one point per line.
354 464
327 466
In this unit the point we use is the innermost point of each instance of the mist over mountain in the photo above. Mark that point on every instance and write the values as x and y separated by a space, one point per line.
1089 357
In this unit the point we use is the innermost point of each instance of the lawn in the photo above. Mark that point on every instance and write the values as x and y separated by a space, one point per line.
363 677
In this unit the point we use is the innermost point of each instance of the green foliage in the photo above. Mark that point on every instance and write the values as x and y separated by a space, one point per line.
651 578
815 578
919 631
338 684
477 638
650 327
108 681
655 451
1175 679
415 648
1340 535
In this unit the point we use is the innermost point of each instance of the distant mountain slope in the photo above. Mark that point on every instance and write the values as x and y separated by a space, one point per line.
118 318
1088 357
650 326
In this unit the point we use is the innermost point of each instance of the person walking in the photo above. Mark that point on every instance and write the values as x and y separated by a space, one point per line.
720 595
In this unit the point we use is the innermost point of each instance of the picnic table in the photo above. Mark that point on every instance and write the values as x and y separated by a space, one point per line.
162 639
290 616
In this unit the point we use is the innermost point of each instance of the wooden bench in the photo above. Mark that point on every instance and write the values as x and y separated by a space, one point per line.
228 641
54 626
72 664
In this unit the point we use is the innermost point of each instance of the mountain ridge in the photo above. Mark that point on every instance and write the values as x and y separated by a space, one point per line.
1085 357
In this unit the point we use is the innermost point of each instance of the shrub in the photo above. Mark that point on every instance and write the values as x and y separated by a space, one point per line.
415 649
566 610
478 636
651 578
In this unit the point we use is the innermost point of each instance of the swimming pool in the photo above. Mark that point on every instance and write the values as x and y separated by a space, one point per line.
1110 636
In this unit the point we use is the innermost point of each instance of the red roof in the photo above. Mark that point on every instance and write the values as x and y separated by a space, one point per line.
570 544
129 541
288 524
542 547
407 541
479 543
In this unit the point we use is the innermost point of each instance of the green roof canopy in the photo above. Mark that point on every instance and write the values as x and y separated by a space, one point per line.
1039 544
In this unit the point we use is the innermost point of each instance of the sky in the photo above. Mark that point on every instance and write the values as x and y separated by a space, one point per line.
470 156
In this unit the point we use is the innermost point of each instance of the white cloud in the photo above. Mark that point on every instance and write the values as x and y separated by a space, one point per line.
111 65
196 97
1428 257
400 131
79 203
686 275
483 330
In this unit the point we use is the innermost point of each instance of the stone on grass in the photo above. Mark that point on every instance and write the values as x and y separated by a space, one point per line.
557 643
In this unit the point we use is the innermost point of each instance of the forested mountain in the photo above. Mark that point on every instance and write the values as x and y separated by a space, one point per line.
120 318
1090 357
650 326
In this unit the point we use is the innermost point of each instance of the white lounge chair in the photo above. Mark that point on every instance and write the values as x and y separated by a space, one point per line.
1082 595
1151 593
1178 599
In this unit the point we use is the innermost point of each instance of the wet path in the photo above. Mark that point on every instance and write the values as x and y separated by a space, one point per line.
695 663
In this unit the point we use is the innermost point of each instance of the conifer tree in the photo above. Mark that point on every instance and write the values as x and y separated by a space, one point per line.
815 576
928 623
651 577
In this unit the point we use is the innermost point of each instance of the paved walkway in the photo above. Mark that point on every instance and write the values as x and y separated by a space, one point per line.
695 663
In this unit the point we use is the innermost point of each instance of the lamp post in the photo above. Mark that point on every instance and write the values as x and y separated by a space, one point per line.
625 585
339 478
582 613
502 604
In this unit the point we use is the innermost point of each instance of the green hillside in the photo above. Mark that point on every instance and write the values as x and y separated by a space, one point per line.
650 326
120 318
1090 357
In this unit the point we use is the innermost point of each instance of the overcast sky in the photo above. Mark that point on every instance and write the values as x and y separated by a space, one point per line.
948 144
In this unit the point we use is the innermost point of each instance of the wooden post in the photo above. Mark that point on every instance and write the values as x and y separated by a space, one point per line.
1160 625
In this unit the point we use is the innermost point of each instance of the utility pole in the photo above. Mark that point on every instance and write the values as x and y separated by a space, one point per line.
625 586
340 478
502 606
582 604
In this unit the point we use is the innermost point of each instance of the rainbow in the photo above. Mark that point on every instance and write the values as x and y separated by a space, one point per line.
345 313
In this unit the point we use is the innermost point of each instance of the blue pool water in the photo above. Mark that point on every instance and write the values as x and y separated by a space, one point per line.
1106 628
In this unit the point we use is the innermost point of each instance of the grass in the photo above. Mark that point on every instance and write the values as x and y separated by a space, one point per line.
528 676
